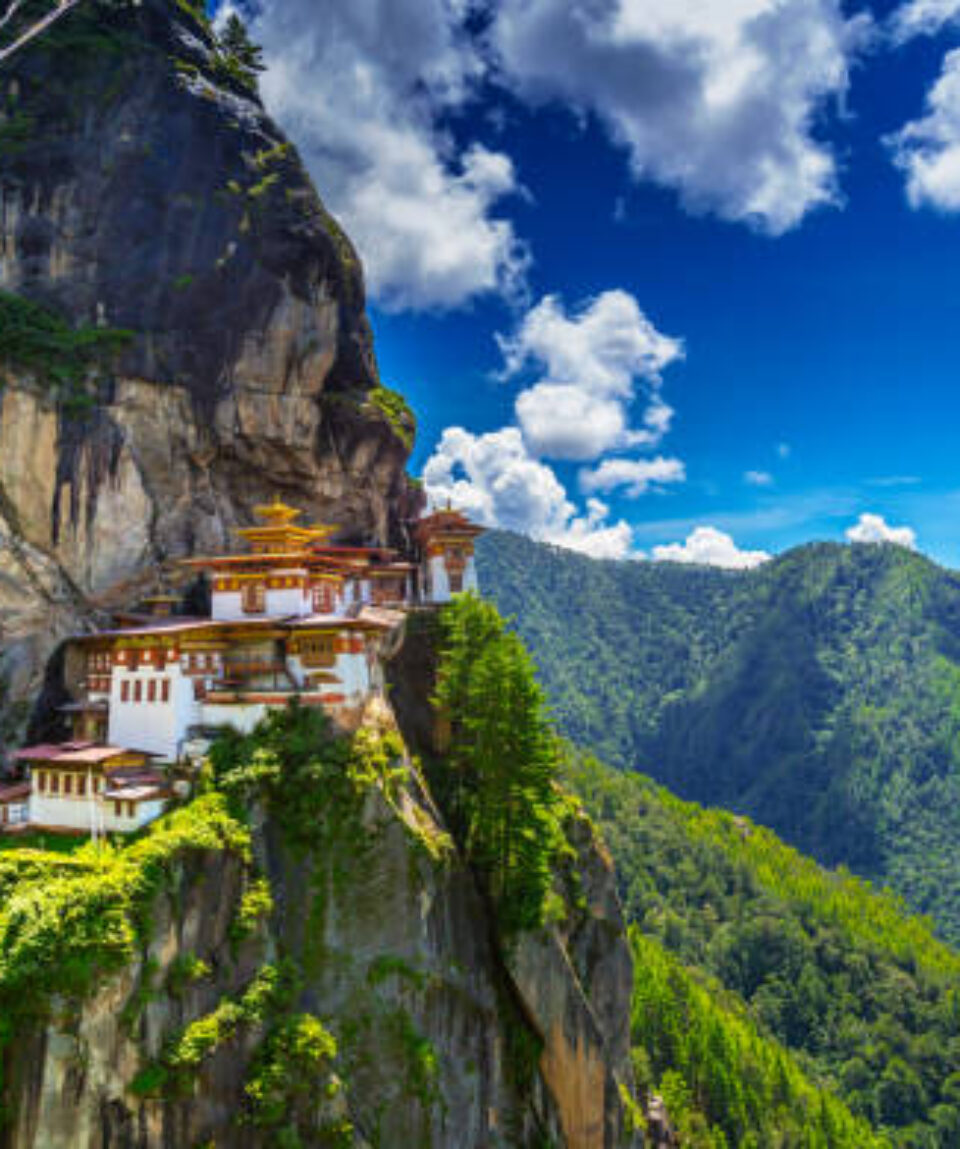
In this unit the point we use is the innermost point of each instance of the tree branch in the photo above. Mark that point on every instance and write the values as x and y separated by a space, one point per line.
62 7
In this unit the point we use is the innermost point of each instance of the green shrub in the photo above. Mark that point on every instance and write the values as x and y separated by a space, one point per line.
69 361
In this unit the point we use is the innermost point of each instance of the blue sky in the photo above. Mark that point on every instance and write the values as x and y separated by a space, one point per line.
654 278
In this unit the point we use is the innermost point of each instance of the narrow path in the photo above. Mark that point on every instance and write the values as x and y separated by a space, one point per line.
62 8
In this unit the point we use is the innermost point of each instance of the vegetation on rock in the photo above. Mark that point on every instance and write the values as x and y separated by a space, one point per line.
68 361
497 780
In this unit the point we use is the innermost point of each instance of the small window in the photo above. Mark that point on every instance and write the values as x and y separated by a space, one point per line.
152 690
129 809
324 598
253 598
42 781
138 691
54 783
456 582
165 690
125 691
118 809
67 784
81 786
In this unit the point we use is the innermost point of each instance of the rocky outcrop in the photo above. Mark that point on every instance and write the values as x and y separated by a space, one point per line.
444 1040
144 189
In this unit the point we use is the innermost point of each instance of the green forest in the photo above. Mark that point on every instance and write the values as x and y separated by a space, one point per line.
818 694
778 950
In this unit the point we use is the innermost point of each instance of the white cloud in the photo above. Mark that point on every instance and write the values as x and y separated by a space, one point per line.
637 476
928 150
361 86
592 365
758 478
784 450
923 18
494 478
709 547
716 98
874 529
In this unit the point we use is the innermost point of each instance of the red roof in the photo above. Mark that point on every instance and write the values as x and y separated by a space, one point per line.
14 793
47 751
74 753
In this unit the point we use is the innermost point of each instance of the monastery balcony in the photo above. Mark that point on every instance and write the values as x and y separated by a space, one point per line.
245 667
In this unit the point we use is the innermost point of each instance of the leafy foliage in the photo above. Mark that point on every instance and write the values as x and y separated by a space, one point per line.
819 694
723 1083
838 972
397 412
67 360
497 780
69 920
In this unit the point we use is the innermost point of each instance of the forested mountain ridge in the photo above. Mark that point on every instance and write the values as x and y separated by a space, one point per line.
739 943
820 694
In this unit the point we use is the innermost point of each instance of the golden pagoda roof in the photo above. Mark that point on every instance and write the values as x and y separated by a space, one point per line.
278 533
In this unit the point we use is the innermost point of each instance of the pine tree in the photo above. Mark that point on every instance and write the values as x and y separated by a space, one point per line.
236 44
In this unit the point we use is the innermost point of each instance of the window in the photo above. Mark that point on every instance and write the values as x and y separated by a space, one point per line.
67 784
81 786
138 691
253 598
42 781
456 582
118 809
125 691
129 809
152 690
324 598
318 650
54 783
165 690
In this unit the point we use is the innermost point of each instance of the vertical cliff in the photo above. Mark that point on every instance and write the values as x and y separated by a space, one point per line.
309 981
182 326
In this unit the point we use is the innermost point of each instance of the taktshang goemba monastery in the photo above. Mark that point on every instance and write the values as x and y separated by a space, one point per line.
294 615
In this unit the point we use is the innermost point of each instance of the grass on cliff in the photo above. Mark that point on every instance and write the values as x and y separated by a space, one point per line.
66 360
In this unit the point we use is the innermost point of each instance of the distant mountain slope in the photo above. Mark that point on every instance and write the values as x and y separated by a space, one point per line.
819 694
860 992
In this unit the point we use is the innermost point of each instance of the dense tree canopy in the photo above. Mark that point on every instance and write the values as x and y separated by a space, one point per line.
819 694
833 969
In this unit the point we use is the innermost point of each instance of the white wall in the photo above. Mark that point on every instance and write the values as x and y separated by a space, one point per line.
439 583
470 580
143 814
281 602
66 811
155 727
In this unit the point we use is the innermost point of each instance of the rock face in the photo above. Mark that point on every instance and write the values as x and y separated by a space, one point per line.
444 1042
143 188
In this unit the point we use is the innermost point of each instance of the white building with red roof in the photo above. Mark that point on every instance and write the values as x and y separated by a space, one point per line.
294 616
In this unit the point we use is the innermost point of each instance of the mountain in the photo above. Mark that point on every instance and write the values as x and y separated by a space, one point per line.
818 694
744 949
183 331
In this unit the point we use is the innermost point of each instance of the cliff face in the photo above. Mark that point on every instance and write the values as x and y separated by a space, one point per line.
442 1038
143 188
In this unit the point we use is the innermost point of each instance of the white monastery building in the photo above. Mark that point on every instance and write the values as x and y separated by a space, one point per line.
292 616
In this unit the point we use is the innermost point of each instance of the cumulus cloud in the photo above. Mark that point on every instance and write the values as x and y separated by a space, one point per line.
758 478
875 529
717 99
928 150
496 480
362 90
923 18
635 476
709 547
591 366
